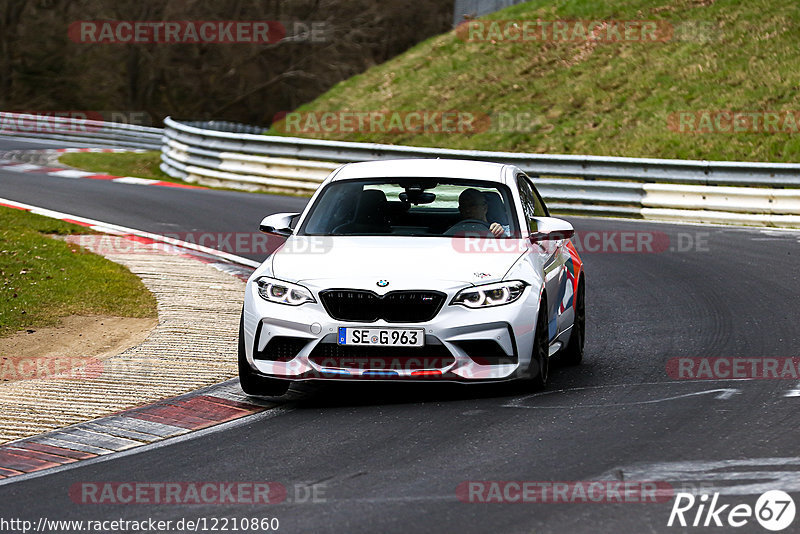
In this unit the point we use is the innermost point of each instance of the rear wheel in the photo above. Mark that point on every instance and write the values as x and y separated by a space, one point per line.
573 352
252 383
540 361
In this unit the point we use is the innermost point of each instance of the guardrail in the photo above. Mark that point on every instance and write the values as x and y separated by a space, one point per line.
588 167
82 131
238 156
239 170
763 194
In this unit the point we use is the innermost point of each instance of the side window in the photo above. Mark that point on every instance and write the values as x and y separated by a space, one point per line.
532 204
541 209
528 204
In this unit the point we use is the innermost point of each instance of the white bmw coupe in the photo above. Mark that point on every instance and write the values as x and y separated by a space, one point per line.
410 270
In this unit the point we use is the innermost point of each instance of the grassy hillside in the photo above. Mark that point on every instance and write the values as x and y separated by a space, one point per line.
599 97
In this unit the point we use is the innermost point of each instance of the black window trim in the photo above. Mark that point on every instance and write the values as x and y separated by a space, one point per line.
524 177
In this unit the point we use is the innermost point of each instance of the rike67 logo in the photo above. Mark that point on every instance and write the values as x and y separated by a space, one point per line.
774 510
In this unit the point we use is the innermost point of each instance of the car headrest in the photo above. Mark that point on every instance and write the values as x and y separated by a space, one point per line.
371 206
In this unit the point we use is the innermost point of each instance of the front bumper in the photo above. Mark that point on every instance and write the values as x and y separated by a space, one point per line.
456 343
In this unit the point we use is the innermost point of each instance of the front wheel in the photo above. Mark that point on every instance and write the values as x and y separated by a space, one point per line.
252 383
540 360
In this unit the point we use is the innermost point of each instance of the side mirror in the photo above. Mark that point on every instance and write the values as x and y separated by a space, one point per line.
551 229
279 224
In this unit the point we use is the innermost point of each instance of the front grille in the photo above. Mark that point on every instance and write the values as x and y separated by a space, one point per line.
393 307
281 349
396 358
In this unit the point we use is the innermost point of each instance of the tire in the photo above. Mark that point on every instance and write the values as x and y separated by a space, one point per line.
572 354
540 360
252 383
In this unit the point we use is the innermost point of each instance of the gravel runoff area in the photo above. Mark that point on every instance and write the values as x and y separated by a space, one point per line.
194 345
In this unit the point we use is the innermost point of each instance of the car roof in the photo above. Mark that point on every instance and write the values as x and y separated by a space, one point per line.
427 168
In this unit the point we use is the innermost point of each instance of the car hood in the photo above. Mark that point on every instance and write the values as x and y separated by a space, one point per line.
404 262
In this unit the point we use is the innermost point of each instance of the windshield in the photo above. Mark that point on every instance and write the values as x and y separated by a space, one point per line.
430 207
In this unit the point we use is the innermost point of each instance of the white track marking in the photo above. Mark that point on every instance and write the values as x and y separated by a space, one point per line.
722 394
71 173
793 392
134 180
751 476
517 403
21 167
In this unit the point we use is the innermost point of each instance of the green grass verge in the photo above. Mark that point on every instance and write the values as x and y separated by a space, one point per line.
603 98
44 279
138 164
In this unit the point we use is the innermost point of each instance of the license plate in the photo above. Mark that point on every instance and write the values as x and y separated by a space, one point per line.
383 337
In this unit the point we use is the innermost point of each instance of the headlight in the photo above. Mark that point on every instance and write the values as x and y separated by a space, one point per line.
283 292
488 295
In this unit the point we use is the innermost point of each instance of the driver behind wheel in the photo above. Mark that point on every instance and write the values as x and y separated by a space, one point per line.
473 206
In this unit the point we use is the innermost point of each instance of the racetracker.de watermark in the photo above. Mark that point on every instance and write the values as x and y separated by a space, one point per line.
397 122
176 31
726 121
68 121
178 493
589 241
384 121
571 31
587 491
15 368
593 241
230 242
196 492
197 31
377 363
721 368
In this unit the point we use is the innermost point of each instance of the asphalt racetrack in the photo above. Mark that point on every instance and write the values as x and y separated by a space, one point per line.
390 459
